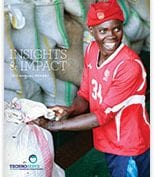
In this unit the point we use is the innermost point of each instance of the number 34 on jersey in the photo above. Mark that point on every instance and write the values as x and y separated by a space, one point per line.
96 91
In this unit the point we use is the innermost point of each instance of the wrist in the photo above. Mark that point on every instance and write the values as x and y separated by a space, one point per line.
55 125
71 110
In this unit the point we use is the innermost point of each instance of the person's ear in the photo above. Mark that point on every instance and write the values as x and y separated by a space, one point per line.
90 30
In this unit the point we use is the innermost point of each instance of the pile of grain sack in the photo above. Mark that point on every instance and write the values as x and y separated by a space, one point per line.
45 41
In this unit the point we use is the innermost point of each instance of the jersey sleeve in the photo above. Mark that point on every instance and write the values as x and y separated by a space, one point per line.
128 81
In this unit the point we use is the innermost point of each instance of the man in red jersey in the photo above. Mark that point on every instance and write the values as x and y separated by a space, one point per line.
113 87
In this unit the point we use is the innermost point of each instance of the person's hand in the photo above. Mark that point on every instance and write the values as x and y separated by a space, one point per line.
41 121
61 112
47 124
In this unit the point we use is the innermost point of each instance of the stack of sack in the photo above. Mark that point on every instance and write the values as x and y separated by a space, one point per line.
45 42
26 67
14 84
29 149
37 31
137 23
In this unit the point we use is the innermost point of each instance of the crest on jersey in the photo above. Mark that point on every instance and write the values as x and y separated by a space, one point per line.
106 75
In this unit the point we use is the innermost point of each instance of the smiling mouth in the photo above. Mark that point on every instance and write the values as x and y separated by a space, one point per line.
109 45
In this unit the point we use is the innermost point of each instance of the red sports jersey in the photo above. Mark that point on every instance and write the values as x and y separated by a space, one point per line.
116 93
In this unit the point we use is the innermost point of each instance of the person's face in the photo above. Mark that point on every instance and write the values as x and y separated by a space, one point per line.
108 36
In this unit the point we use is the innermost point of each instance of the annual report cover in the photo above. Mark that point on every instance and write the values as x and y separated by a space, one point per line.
45 47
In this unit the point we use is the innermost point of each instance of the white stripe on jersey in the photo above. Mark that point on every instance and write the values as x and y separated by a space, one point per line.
135 99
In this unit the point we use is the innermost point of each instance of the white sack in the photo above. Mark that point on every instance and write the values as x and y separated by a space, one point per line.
10 94
8 44
31 90
38 71
50 22
29 150
75 7
65 94
136 29
142 7
11 79
46 43
26 40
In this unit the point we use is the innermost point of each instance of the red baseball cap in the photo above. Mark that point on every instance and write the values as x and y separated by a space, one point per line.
103 11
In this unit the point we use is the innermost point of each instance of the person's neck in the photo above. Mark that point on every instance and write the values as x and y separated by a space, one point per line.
102 57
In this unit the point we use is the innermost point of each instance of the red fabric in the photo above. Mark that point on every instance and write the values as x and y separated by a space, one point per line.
108 85
103 11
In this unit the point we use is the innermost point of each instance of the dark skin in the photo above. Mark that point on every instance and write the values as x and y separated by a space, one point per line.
108 36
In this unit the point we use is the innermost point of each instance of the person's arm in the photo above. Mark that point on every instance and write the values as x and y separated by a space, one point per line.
78 123
79 106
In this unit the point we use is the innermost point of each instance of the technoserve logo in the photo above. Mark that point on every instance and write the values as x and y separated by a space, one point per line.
33 158
31 165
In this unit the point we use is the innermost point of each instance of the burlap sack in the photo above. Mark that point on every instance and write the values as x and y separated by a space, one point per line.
8 2
46 44
26 40
38 71
126 9
65 94
69 63
10 94
50 22
125 40
14 83
16 80
136 29
8 45
31 89
76 8
137 46
142 7
17 84
11 80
